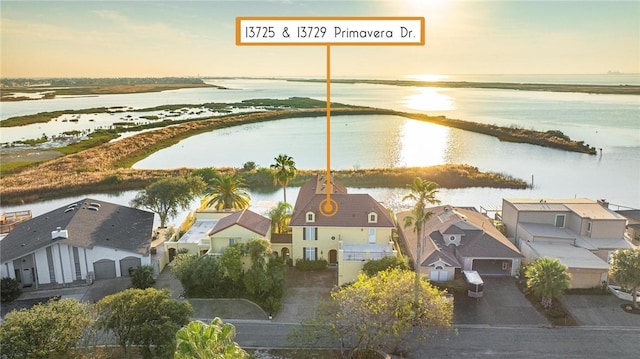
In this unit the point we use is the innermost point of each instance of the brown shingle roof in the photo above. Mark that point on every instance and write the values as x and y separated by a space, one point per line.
353 209
244 218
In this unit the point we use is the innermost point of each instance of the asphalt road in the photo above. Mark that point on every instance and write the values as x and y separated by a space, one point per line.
480 341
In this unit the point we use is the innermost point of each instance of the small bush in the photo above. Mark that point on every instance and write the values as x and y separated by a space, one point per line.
10 289
308 265
372 267
142 277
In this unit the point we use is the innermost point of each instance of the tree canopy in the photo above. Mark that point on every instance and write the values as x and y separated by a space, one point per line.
379 313
284 171
227 191
547 278
145 317
167 196
280 216
625 270
37 332
372 267
198 340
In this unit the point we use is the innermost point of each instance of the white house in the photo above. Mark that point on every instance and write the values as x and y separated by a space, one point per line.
88 239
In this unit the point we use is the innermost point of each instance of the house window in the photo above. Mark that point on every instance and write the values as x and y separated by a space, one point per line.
311 217
589 224
310 253
232 241
310 234
560 220
372 235
373 217
452 238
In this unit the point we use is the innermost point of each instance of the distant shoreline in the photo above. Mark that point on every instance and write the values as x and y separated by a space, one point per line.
576 88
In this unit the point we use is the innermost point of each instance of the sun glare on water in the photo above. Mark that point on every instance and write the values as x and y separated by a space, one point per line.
429 99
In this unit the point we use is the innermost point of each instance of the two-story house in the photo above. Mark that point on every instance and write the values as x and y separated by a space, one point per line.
456 239
581 233
360 230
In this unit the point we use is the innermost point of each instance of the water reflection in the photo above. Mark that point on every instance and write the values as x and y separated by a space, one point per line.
430 99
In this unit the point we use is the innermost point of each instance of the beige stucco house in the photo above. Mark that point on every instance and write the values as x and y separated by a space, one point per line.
581 233
213 231
458 239
361 230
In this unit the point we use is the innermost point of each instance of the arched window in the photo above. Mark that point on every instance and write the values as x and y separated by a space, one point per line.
311 217
373 217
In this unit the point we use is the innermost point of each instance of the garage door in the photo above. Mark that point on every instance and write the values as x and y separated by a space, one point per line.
104 268
492 266
129 262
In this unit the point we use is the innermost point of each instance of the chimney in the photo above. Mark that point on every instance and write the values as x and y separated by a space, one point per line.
603 202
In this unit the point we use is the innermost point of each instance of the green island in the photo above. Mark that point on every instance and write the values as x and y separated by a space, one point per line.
50 88
584 88
97 165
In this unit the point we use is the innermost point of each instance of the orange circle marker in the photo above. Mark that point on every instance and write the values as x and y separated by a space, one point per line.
328 207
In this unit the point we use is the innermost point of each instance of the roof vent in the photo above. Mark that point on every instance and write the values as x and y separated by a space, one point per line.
69 209
59 233
93 204
93 208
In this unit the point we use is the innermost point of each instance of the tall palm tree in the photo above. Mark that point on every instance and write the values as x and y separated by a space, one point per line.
548 278
285 171
423 193
227 192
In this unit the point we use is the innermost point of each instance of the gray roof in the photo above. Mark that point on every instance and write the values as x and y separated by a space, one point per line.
88 223
479 237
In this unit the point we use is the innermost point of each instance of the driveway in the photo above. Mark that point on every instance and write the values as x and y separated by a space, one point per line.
502 304
302 293
599 310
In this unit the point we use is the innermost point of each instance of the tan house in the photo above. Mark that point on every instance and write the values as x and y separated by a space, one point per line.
581 233
633 224
361 230
213 231
458 239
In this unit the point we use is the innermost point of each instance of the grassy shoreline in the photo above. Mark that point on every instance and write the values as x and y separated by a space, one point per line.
94 90
447 176
106 167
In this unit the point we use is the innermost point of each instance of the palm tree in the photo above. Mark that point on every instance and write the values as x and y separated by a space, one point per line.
548 278
280 216
423 193
227 192
202 341
285 171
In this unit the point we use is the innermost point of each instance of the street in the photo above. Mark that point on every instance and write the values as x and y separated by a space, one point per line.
480 341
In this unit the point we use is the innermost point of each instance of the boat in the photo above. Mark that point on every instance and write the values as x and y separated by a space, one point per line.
617 291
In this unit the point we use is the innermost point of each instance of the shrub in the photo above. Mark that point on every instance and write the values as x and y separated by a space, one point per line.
372 267
309 265
10 289
142 277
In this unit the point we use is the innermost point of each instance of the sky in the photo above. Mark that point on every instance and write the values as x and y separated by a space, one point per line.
197 38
